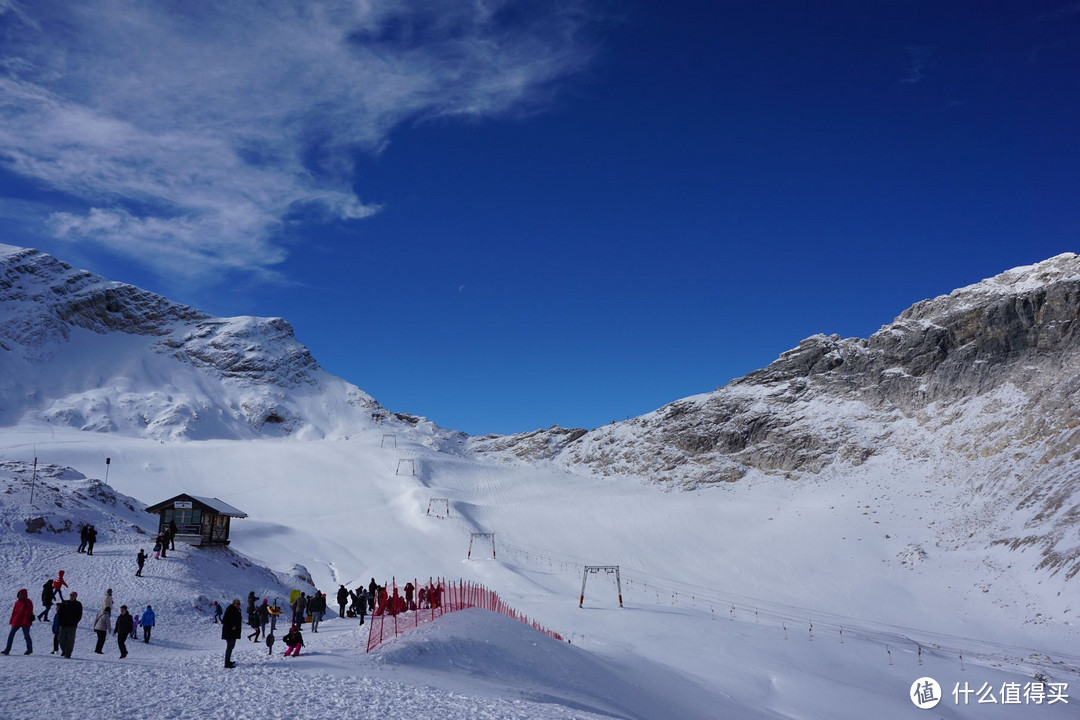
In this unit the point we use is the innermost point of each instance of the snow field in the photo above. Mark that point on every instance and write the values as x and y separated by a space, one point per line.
810 552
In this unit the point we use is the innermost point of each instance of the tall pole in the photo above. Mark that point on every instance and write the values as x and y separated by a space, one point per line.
33 480
107 461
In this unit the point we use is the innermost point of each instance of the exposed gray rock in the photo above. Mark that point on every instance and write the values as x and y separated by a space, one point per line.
988 375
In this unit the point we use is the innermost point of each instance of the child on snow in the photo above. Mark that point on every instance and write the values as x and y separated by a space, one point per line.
294 640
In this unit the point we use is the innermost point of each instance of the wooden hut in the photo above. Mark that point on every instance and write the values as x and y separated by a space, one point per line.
199 520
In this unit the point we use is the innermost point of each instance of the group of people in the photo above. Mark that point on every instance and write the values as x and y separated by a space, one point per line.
424 599
87 538
232 627
165 541
68 615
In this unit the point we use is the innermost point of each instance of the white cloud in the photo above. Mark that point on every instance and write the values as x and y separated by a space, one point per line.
191 131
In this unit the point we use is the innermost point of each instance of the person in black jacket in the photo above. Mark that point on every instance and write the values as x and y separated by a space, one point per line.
125 625
141 560
46 600
232 627
342 600
91 538
69 614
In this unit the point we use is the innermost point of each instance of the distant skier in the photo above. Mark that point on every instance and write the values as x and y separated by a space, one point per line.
217 612
141 560
125 626
372 592
294 641
147 620
22 617
91 538
84 533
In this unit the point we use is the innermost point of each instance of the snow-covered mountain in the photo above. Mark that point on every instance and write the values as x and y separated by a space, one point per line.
82 351
979 389
857 515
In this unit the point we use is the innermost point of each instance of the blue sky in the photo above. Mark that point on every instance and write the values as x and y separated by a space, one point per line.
505 216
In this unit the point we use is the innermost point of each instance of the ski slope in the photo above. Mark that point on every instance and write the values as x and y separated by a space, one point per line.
763 599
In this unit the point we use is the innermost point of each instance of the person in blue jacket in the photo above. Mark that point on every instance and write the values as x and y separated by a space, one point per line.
147 620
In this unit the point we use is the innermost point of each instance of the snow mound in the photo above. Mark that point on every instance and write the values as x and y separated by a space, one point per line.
512 659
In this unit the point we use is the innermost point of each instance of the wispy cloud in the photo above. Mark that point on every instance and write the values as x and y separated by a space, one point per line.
920 59
192 132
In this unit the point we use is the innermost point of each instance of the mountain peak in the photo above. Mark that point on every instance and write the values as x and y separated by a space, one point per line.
82 350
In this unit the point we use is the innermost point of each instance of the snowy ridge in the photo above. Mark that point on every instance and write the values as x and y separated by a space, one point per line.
978 388
85 352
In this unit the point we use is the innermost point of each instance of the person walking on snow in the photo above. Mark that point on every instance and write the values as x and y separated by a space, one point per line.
46 600
58 583
84 533
232 627
141 560
107 602
125 625
91 538
22 617
56 632
217 612
102 626
147 621
172 534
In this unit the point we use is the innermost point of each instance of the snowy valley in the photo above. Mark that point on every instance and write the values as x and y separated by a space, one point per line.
805 542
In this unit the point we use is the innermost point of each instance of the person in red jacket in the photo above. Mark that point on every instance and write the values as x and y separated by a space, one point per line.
22 616
58 583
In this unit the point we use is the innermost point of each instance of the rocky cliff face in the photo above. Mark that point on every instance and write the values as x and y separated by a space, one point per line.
177 372
981 387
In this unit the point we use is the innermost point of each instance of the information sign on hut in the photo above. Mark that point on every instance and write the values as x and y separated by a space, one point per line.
199 520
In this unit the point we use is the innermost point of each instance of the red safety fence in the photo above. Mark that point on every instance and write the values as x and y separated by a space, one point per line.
413 605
